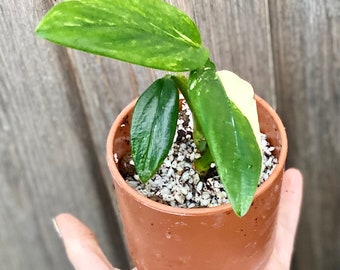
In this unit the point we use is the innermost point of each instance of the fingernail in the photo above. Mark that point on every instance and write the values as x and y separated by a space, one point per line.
55 225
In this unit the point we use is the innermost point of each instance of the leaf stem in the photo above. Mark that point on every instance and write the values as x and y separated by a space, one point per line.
202 164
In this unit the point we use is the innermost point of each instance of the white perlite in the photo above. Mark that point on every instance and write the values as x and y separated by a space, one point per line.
178 184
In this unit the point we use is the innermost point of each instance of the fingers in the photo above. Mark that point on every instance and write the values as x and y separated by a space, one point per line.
291 198
81 245
288 216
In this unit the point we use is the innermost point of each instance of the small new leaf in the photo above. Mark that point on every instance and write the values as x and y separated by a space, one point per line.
153 126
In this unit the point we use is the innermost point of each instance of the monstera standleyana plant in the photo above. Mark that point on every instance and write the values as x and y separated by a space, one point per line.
154 34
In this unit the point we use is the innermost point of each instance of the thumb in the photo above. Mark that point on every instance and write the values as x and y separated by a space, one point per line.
81 245
288 217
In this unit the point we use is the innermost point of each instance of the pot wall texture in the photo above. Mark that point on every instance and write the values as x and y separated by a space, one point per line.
164 237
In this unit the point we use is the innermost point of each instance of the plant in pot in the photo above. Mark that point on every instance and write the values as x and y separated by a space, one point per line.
214 214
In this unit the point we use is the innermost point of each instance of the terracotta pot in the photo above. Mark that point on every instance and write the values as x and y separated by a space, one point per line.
163 237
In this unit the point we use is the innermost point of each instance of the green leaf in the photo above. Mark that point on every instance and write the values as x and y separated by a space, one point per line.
153 126
150 33
229 135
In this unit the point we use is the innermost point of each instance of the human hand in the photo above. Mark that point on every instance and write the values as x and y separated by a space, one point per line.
288 217
85 254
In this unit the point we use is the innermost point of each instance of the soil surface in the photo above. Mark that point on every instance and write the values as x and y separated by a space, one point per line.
177 183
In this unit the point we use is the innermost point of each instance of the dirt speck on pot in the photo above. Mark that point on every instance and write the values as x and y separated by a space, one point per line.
177 183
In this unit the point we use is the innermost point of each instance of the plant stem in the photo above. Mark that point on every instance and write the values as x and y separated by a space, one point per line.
202 164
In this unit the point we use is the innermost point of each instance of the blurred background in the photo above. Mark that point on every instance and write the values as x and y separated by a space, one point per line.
57 105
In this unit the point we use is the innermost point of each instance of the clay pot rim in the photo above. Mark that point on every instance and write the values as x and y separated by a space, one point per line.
193 211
